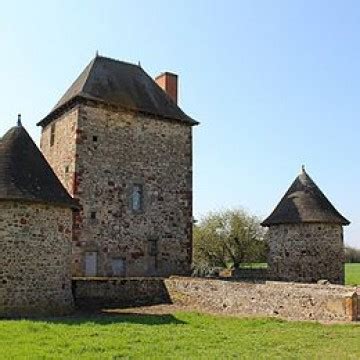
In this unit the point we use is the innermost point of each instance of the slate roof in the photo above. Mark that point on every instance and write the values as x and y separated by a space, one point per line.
123 85
25 175
304 202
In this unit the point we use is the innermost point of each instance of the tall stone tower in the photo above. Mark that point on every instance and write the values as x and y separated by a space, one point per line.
305 236
35 232
121 145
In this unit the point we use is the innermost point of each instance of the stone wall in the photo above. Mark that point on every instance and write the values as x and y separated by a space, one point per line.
107 151
119 292
35 247
62 154
306 253
286 300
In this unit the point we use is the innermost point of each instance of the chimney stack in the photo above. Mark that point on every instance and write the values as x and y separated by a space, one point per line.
169 83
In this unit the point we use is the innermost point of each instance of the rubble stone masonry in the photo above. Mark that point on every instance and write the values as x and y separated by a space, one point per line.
35 247
99 154
306 252
278 299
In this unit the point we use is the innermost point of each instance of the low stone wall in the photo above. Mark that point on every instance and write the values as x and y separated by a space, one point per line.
286 300
250 274
118 292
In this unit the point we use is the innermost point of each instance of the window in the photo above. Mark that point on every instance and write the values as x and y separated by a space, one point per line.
52 135
66 169
91 263
93 215
153 248
137 198
95 138
118 266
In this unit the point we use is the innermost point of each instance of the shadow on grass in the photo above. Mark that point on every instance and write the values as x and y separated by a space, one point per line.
102 318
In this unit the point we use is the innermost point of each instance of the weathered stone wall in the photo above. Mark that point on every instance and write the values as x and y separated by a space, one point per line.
306 253
108 151
35 247
119 292
62 154
286 300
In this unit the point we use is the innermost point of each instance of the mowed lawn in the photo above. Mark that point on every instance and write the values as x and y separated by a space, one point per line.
352 274
178 336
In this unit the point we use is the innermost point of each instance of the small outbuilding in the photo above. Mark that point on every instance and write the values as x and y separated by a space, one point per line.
35 231
305 236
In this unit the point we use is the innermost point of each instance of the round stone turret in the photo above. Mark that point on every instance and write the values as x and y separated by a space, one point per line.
305 236
35 232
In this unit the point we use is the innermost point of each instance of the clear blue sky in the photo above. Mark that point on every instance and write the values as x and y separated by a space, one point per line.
275 84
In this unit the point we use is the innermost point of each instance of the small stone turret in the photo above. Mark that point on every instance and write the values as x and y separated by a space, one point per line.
35 231
305 236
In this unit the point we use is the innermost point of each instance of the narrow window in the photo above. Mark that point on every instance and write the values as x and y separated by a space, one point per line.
153 248
95 138
66 169
137 198
52 135
93 215
91 262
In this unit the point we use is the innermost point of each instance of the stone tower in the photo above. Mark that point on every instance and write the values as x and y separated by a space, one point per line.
121 146
305 236
35 232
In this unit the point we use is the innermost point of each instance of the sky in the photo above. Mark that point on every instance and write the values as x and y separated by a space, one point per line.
274 84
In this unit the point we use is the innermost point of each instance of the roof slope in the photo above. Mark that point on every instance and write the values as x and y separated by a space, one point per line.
25 174
304 202
120 84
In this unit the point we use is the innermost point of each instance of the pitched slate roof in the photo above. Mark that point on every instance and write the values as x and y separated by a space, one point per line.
304 202
25 175
123 85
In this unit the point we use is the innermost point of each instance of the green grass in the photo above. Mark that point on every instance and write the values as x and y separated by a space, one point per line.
352 271
179 336
352 274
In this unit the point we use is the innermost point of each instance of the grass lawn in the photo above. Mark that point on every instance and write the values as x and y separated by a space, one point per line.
352 271
178 336
352 274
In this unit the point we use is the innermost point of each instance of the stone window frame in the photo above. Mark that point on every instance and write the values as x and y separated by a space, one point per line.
153 246
141 185
52 134
123 258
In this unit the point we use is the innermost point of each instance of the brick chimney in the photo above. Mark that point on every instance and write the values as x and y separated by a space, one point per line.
169 83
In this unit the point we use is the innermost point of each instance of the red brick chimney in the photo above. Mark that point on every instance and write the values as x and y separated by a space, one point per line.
169 83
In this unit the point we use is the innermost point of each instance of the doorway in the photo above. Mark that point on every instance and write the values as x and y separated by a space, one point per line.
91 263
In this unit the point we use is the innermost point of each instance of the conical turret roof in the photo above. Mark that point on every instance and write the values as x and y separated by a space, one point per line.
304 202
25 175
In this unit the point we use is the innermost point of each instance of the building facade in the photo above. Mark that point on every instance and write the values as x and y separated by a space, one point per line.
121 146
35 232
305 236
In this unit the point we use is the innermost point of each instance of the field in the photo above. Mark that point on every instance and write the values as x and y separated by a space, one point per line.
179 335
352 274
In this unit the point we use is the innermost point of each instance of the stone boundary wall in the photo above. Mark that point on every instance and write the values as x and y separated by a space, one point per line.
250 274
286 300
118 292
